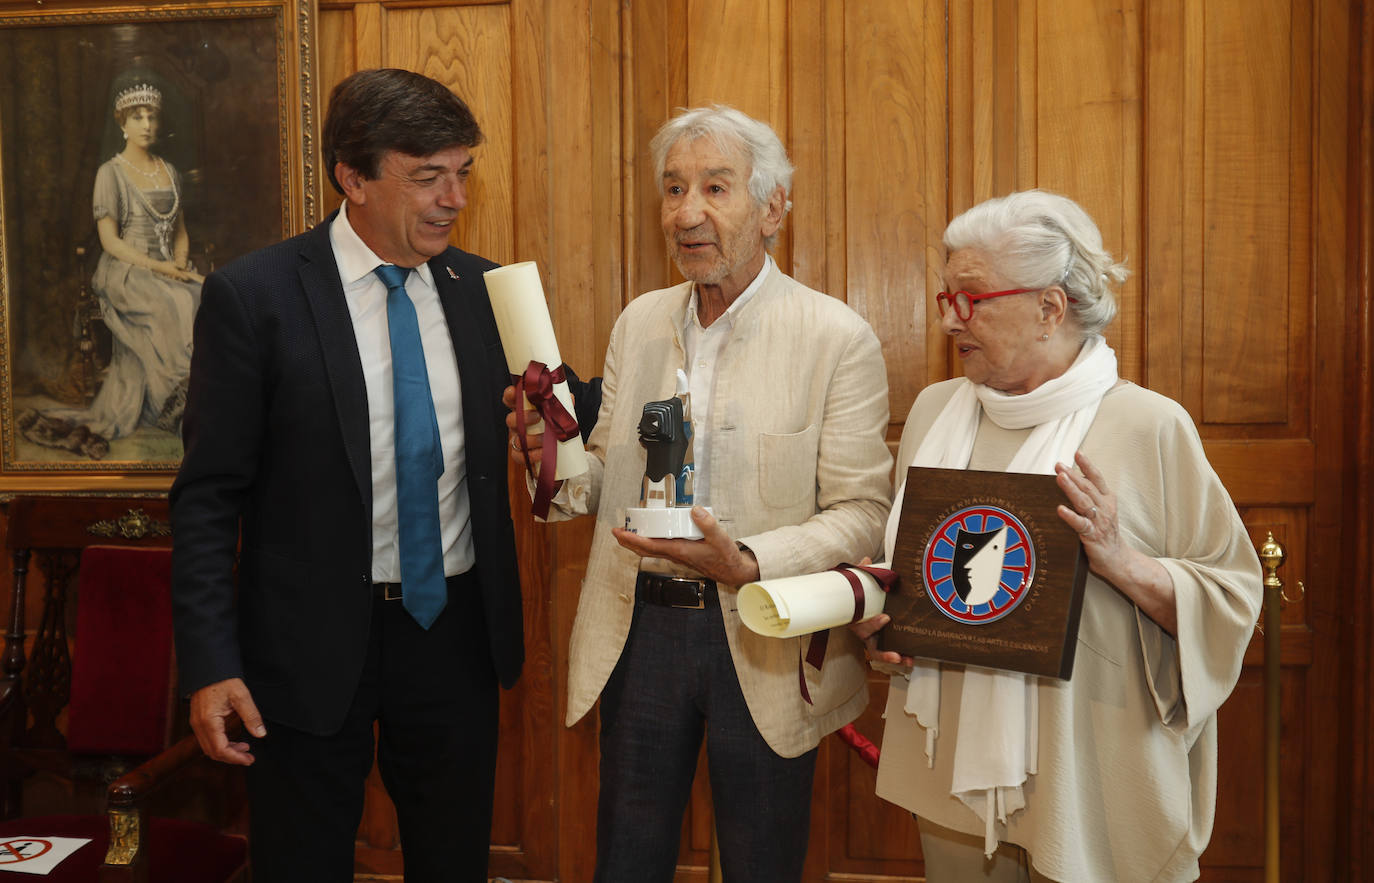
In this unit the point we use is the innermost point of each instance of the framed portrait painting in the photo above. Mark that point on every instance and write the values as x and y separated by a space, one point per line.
140 147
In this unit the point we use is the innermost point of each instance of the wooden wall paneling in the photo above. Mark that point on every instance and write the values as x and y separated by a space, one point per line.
886 99
814 200
1236 851
808 115
583 188
350 40
1014 27
524 838
607 235
936 196
1252 254
989 42
1188 299
1027 143
959 76
1357 838
1160 266
737 55
469 49
894 191
991 54
866 839
1233 184
1087 72
834 93
525 829
1324 367
656 77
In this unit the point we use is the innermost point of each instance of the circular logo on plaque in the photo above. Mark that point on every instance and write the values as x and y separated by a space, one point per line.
979 564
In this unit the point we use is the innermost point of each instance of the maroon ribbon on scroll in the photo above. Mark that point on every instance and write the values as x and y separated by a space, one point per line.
860 743
537 385
815 650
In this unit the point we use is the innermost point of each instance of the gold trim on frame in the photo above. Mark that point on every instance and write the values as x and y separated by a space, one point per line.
297 111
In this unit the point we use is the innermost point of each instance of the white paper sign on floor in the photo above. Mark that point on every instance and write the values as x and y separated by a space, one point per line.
37 855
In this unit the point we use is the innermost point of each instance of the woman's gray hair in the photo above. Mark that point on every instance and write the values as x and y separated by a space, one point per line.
730 130
1036 239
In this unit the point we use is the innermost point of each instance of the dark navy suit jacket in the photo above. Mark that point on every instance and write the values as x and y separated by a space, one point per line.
278 457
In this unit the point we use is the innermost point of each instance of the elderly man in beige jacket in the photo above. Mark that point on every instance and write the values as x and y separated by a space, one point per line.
789 413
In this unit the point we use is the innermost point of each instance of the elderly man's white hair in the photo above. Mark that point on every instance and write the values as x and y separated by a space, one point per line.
1036 239
731 130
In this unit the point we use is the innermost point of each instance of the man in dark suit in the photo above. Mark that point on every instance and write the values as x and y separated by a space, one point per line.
348 607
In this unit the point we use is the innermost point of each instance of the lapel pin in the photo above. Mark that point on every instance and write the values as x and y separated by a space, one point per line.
451 273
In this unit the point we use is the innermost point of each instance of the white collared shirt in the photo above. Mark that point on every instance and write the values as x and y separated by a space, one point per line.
366 297
703 346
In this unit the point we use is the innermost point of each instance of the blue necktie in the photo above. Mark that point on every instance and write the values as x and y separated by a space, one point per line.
419 457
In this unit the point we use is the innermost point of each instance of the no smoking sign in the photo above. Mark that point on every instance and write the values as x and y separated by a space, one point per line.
36 855
15 851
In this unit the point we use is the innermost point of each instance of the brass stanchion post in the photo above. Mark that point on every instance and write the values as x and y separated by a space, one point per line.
1271 555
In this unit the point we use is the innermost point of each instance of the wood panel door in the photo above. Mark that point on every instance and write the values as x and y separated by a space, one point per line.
1246 238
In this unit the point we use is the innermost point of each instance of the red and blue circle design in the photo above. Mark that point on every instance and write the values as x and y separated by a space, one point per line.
979 564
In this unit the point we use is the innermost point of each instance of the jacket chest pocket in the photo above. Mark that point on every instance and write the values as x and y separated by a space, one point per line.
787 467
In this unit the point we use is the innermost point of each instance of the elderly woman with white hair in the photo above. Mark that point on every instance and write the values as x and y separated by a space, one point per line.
1110 775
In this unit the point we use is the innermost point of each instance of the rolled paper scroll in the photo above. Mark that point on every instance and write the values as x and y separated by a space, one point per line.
800 605
813 604
522 319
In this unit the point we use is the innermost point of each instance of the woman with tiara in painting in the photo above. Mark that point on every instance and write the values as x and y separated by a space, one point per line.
147 289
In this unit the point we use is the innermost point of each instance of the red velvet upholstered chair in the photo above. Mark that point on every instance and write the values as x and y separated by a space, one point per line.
120 710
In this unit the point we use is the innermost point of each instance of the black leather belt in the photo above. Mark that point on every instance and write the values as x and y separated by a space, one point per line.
392 591
676 591
386 591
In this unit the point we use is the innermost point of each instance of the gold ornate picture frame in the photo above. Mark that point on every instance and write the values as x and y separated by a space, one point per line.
140 147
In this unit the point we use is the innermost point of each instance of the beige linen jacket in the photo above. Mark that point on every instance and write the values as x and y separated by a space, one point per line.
799 472
1127 780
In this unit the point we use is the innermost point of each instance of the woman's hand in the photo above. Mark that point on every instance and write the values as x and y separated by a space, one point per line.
172 270
1092 513
188 272
867 631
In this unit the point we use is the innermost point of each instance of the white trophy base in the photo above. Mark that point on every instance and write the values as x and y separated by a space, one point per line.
664 523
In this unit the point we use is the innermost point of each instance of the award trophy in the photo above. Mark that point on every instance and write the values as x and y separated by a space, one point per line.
990 574
665 500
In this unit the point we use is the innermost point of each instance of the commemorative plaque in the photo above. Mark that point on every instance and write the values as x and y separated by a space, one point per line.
988 573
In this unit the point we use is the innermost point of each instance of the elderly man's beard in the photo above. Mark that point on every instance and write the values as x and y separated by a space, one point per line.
713 266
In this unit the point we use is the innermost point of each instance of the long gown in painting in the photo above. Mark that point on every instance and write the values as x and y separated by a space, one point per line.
149 317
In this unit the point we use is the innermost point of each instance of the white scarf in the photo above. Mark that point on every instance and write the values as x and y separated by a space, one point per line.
996 746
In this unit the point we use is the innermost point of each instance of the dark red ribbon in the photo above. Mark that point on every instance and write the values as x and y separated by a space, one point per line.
537 385
815 650
860 743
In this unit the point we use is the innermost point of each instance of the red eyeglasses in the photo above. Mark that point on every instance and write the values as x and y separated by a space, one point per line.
963 301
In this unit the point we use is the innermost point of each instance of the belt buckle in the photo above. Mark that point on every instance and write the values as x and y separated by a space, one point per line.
701 595
386 592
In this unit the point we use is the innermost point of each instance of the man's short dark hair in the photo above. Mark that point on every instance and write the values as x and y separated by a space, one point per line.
374 111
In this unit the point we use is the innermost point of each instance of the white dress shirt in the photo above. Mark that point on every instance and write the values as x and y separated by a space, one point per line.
703 347
366 297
